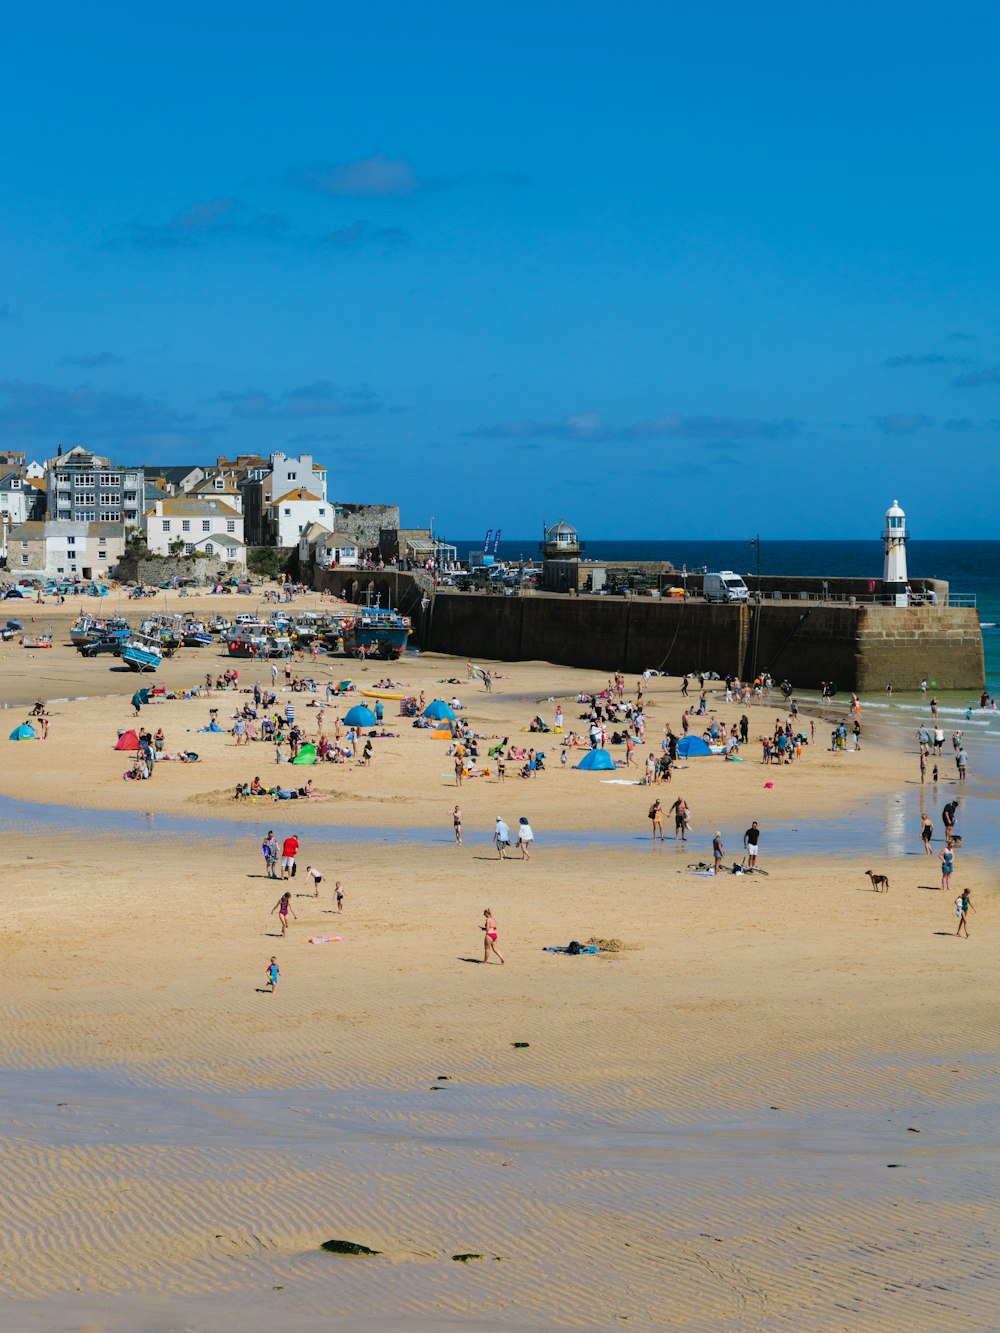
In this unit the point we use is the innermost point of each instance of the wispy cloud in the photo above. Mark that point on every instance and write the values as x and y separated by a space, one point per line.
93 360
960 337
214 220
362 233
593 426
903 423
974 379
959 424
382 177
96 416
926 359
319 399
7 311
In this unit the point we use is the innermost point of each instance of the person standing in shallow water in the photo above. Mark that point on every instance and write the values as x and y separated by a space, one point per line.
927 833
490 933
456 820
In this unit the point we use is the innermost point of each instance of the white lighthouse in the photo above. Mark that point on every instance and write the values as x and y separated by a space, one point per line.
894 568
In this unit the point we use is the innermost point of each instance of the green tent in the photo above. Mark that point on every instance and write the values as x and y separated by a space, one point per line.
306 755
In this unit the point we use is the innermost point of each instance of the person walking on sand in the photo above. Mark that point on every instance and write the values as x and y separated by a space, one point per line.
962 905
489 929
269 851
456 821
947 866
338 894
926 832
656 818
459 770
525 837
289 849
717 852
273 973
501 836
283 906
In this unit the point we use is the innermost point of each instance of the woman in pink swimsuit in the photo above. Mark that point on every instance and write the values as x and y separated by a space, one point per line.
489 929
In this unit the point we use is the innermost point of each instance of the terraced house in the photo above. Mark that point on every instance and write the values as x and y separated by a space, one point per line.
185 525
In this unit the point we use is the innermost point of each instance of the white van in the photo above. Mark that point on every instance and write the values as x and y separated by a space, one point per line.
725 587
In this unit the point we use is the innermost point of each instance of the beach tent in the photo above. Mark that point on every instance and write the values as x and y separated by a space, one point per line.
306 755
128 740
25 732
359 716
599 759
690 746
442 734
438 709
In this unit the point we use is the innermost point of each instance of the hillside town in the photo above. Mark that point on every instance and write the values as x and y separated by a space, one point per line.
81 516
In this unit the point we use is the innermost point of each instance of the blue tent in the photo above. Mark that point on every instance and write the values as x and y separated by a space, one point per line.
359 716
25 732
596 759
690 746
438 709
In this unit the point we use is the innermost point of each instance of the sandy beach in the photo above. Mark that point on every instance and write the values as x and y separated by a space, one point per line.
771 1103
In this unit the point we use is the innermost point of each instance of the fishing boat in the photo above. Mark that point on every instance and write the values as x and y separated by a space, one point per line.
194 634
87 629
142 654
247 644
374 632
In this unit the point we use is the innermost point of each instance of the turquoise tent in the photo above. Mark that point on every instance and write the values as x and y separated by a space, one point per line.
691 746
599 759
25 732
438 709
359 716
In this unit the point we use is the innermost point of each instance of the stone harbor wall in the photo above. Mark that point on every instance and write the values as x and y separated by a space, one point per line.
147 570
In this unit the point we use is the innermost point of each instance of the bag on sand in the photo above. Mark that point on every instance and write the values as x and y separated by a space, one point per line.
574 947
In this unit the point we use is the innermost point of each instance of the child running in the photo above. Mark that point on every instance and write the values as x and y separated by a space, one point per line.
272 974
338 893
283 906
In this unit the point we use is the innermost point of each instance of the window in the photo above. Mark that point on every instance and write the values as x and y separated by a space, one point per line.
70 541
15 485
230 524
220 483
185 525
108 479
24 546
188 548
206 525
292 476
102 541
110 515
25 559
166 525
110 498
209 549
288 513
322 511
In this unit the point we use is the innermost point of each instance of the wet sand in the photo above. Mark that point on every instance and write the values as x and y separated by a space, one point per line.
711 1127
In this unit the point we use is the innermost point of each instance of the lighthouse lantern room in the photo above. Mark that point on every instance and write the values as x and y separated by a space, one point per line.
894 569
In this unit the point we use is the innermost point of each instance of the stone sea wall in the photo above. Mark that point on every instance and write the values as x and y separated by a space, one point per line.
858 647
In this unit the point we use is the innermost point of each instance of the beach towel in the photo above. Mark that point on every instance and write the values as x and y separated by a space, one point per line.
326 939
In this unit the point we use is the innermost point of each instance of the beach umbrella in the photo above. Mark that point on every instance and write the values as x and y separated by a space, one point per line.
689 747
438 709
128 740
596 759
25 732
359 716
306 755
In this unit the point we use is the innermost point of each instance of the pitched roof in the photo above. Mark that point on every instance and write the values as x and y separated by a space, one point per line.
316 530
36 529
300 493
208 484
183 507
219 539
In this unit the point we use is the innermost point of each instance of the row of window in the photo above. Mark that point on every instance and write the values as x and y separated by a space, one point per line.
206 525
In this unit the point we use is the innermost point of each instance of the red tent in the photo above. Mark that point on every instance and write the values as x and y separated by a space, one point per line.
128 740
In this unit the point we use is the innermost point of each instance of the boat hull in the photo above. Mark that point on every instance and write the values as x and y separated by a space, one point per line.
141 659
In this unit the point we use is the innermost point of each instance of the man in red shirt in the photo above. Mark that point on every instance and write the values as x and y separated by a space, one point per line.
289 848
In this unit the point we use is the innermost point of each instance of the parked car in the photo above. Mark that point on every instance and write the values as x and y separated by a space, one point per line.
99 646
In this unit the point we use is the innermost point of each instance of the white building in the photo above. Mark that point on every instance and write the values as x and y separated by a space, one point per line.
288 515
320 546
65 549
185 525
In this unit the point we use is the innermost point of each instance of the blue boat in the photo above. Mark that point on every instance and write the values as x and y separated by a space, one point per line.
376 633
141 655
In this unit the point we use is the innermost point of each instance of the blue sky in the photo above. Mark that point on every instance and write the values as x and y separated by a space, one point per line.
669 270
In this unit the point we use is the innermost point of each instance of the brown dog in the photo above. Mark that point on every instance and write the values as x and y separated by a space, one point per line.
880 883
